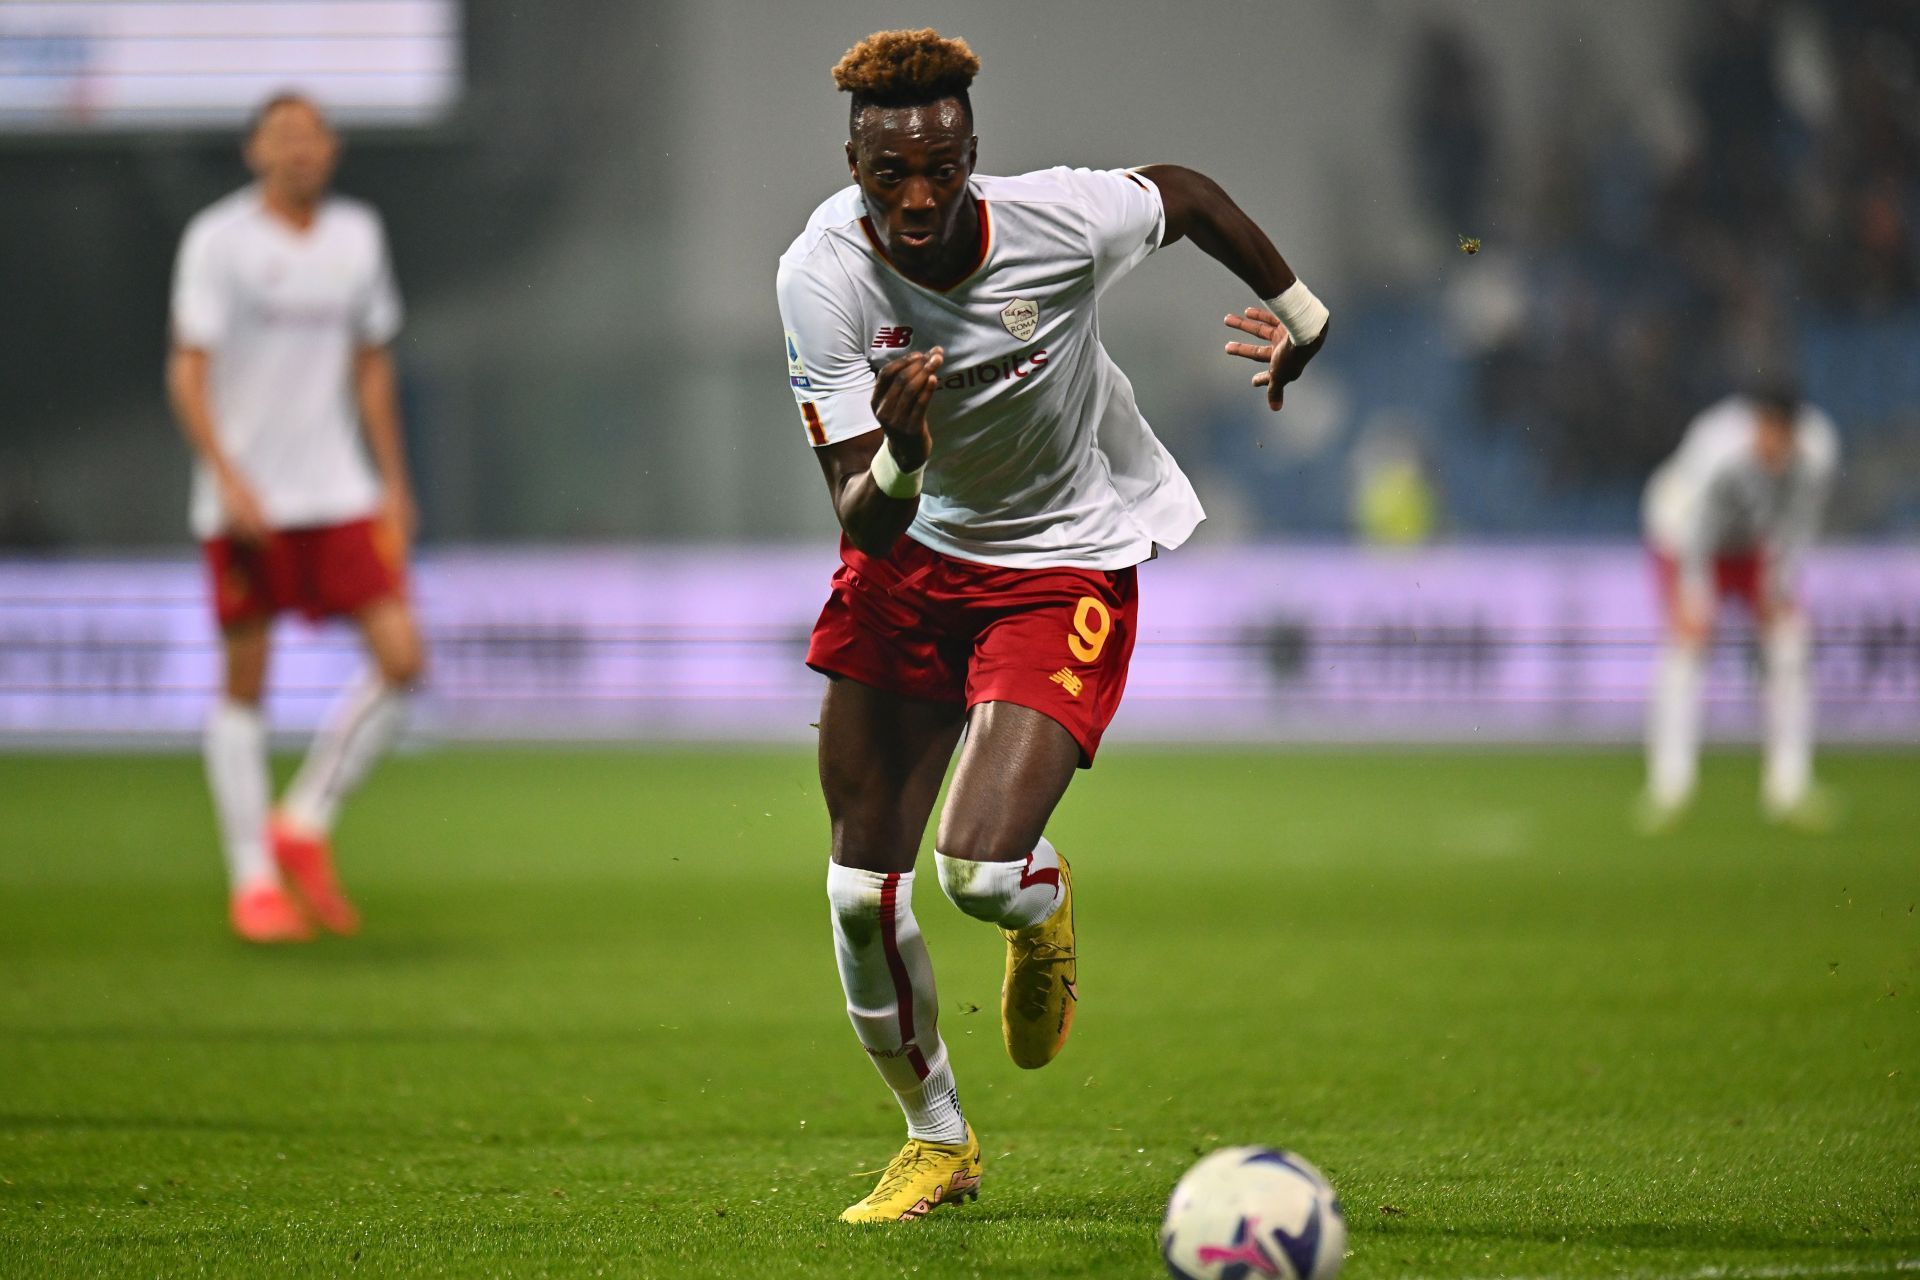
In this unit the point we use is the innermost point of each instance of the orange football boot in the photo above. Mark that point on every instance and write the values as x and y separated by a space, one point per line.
306 860
266 913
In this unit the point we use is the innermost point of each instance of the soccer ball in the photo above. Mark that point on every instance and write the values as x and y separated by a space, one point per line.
1244 1212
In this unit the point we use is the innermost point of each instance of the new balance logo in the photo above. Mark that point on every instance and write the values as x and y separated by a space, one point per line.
892 337
1065 678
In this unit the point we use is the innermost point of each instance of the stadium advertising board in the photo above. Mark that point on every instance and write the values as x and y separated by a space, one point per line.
84 65
1284 644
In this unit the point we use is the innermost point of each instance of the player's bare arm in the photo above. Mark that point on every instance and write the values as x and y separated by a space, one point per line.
193 410
377 395
1198 209
873 521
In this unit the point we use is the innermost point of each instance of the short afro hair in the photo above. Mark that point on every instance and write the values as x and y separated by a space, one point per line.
907 69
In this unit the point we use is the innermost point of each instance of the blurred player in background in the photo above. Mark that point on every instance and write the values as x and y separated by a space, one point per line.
283 305
1732 513
996 486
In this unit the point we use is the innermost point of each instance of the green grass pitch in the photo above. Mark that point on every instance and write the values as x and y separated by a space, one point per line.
592 1027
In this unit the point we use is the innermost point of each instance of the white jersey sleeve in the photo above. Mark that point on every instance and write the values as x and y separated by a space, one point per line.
1125 218
377 315
826 358
202 302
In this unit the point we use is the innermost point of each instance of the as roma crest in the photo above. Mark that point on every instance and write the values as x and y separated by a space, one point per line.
1022 317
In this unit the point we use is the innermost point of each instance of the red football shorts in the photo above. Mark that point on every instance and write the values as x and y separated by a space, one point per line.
1740 576
924 625
322 571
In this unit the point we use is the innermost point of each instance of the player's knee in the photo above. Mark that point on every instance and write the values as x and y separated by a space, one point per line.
1788 639
1691 643
976 834
855 903
967 889
405 669
245 683
244 665
406 676
393 644
245 690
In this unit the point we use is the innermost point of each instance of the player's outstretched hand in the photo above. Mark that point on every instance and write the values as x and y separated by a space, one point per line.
1284 361
901 395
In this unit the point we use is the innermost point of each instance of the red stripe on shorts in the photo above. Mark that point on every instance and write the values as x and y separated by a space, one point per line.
897 967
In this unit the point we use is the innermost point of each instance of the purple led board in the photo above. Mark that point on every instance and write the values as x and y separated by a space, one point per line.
1294 644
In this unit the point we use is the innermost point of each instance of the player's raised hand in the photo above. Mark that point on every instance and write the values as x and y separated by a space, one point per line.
901 395
1275 349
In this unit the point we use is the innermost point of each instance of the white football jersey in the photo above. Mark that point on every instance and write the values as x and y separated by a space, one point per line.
1040 456
280 313
1712 497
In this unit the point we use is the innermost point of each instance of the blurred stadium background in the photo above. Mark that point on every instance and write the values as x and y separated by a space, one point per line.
1521 1040
624 536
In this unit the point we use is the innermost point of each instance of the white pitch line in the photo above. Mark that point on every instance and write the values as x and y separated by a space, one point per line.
1732 1273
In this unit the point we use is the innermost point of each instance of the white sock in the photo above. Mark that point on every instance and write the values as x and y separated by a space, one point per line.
888 978
1788 771
236 755
1013 895
1673 725
359 728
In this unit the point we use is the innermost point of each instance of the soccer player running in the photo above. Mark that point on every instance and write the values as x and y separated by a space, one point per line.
996 486
1732 513
283 305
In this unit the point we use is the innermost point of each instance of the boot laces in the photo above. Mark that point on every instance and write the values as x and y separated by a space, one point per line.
915 1157
1033 973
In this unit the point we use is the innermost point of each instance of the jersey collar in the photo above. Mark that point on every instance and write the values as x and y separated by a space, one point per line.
299 235
980 260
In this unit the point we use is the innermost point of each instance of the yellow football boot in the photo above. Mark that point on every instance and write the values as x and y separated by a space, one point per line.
924 1176
1038 998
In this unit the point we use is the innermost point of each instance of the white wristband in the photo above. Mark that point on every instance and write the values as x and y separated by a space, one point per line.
1301 314
889 478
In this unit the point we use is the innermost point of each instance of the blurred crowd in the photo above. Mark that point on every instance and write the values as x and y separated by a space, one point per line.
1666 248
